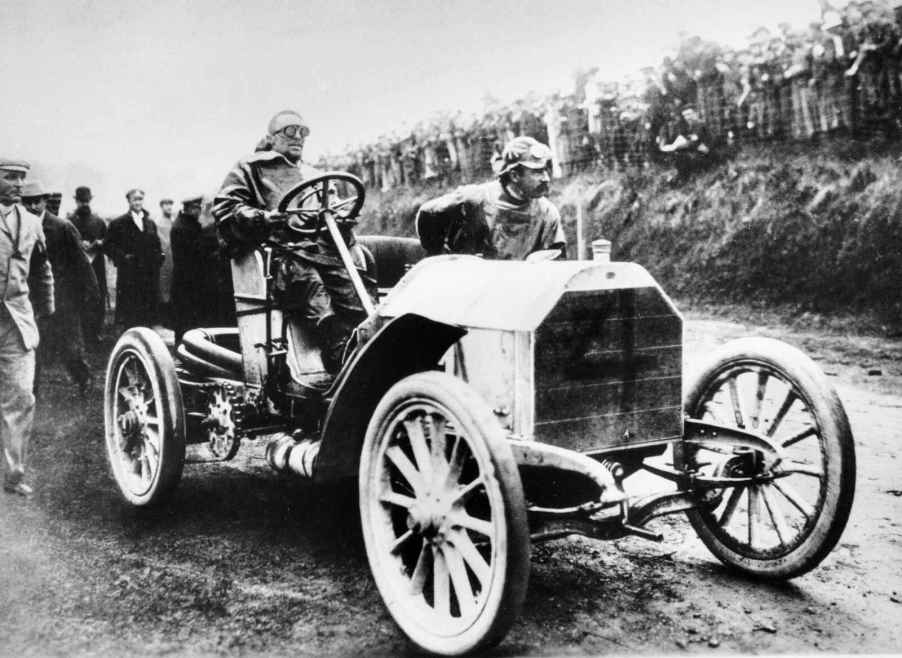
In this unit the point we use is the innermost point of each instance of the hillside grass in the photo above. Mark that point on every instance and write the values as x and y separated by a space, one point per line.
807 230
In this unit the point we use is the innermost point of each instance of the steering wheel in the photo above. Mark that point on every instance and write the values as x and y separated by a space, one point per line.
335 192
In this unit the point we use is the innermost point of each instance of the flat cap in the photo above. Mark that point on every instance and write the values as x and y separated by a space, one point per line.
8 164
33 189
193 201
57 196
83 193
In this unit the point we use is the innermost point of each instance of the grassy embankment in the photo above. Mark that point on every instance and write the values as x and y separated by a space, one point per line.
813 230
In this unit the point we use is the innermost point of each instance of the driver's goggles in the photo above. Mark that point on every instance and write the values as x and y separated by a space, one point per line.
294 132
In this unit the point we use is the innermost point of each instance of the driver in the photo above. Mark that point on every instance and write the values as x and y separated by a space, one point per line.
505 219
309 279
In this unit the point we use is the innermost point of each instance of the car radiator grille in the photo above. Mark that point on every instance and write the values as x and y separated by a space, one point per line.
608 370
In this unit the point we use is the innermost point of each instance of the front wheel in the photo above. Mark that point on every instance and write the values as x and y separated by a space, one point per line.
793 513
144 418
443 515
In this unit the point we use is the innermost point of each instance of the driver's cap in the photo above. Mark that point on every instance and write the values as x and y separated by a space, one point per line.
286 118
524 152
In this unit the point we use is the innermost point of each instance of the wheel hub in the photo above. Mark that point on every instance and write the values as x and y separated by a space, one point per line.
429 517
747 464
739 466
131 423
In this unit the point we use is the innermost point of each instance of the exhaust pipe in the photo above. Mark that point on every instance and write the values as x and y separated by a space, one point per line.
285 454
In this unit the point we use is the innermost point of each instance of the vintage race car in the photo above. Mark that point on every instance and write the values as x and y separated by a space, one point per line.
487 405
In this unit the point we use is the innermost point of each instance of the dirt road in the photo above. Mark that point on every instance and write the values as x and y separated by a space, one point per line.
243 561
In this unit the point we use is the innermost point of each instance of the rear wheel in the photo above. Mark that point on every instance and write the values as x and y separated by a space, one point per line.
786 521
443 515
144 418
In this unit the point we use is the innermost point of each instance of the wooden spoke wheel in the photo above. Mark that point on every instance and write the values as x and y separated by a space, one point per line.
793 513
337 193
444 520
145 424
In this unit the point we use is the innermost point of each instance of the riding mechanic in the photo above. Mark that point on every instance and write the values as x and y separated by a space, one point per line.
504 219
310 282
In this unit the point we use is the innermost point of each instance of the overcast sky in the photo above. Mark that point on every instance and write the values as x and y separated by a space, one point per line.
168 94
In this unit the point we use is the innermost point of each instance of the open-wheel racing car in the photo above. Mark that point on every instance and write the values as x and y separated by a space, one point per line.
485 405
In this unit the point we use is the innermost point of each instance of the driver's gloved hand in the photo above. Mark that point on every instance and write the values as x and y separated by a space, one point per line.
273 217
254 217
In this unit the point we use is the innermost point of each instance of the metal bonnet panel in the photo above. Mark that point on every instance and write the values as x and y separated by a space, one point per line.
508 295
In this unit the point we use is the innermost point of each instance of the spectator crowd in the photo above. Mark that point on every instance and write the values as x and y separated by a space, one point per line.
53 293
168 268
840 75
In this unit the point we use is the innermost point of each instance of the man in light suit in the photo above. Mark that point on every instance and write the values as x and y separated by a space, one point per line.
23 263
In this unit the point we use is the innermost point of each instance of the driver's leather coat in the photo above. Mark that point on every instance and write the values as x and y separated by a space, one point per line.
309 276
256 183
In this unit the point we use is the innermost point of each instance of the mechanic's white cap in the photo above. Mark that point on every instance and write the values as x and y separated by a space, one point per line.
524 151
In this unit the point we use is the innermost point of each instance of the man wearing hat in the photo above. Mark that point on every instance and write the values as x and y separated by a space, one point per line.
506 219
133 244
26 290
54 201
75 288
691 149
191 270
310 281
93 232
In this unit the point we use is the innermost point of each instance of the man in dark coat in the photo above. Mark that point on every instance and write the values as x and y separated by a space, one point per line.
221 304
191 271
310 281
54 201
692 149
75 288
164 228
132 243
93 231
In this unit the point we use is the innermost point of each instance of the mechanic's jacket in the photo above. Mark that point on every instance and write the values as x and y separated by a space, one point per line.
484 219
24 269
257 183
